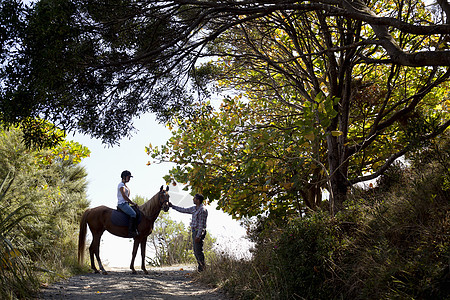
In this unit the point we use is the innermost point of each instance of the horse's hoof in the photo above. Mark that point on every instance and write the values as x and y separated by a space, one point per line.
105 273
133 272
145 272
96 271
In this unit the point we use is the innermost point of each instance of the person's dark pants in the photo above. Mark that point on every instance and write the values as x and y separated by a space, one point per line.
198 250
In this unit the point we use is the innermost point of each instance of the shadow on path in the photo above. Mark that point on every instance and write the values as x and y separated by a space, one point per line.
160 283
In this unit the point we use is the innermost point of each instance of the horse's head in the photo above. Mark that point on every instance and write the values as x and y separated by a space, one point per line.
164 198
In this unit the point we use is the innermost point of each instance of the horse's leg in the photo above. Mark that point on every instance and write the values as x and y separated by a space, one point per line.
133 255
92 249
100 262
96 251
91 255
143 245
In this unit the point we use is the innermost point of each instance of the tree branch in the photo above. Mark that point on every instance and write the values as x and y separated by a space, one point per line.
399 154
376 130
397 55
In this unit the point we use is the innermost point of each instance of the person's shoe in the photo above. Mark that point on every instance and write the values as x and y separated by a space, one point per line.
201 268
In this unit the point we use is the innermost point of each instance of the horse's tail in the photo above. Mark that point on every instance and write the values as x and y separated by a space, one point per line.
82 236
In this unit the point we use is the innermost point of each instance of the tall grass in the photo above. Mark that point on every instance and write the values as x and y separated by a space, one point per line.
41 197
17 280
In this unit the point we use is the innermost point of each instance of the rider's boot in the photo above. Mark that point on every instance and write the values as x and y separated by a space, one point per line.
132 231
135 225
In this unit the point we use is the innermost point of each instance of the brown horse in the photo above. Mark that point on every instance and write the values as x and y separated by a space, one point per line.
99 220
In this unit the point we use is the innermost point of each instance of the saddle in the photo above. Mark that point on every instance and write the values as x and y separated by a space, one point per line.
119 218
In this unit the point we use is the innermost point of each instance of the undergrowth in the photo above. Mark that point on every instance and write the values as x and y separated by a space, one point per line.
391 242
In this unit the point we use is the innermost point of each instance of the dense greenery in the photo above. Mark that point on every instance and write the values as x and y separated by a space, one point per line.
42 196
94 65
392 242
16 276
322 95
312 112
86 66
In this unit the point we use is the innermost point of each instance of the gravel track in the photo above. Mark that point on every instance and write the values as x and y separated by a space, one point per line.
160 283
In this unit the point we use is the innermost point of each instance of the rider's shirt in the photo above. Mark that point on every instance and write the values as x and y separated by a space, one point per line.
120 199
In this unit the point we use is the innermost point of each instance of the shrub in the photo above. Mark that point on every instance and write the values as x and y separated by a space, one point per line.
48 187
401 249
172 243
17 281
303 255
391 242
290 261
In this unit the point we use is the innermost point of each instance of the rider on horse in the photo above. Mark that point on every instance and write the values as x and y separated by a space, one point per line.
124 202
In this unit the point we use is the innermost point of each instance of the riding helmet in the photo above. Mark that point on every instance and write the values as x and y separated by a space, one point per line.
125 174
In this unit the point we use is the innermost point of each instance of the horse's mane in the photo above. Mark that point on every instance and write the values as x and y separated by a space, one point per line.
151 206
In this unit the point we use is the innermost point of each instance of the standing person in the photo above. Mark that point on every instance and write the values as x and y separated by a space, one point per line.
124 202
198 226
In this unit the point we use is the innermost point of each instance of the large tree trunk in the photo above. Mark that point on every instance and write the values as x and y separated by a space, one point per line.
337 149
338 176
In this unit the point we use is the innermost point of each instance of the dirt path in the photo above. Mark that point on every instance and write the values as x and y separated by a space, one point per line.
160 283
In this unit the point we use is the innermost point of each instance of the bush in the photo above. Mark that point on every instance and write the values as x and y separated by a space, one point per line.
17 281
292 261
401 248
303 254
391 242
48 187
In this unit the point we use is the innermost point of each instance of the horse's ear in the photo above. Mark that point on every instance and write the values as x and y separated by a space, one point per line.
167 188
161 188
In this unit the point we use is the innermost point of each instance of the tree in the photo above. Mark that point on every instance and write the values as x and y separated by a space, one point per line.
83 69
170 241
249 166
113 60
43 194
92 66
355 117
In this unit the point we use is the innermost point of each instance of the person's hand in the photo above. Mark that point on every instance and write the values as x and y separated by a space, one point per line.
197 239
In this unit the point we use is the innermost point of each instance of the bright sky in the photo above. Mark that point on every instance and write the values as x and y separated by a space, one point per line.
104 167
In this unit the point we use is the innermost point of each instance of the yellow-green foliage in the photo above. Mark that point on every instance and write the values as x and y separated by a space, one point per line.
40 202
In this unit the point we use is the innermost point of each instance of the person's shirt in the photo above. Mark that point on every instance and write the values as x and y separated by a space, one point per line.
199 216
120 199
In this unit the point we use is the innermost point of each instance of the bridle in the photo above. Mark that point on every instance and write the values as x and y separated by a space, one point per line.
163 198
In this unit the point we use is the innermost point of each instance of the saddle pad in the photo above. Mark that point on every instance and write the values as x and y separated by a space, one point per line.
119 218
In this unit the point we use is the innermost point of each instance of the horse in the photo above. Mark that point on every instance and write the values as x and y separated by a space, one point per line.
99 220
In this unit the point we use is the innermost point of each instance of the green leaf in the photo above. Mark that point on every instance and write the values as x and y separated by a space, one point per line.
336 133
